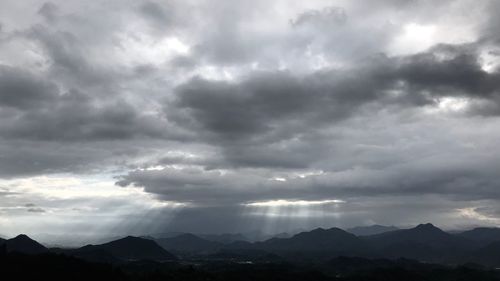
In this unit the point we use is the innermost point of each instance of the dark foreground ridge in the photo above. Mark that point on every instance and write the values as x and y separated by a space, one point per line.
57 267
424 252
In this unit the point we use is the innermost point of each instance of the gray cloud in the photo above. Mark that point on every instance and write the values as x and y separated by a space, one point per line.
222 103
20 89
156 14
323 18
266 108
49 11
36 210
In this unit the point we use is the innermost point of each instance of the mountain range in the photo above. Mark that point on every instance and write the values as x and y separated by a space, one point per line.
425 242
370 230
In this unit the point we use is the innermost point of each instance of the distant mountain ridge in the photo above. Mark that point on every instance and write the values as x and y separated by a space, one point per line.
317 240
371 230
425 243
482 235
189 244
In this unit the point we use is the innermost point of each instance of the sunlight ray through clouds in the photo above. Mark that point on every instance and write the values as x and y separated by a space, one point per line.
293 214
87 208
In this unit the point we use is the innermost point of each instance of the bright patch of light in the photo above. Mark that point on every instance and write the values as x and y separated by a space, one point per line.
296 213
414 38
278 179
212 72
472 213
448 105
309 174
154 168
67 187
168 204
142 49
490 60
273 215
90 206
284 203
452 104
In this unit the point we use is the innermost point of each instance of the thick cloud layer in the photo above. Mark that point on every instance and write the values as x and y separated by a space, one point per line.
217 105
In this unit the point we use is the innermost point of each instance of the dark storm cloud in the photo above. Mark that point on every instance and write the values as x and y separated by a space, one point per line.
68 59
74 117
422 176
272 101
282 105
246 118
235 101
459 73
23 90
43 113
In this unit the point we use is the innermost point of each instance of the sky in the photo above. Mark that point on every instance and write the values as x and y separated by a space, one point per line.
135 117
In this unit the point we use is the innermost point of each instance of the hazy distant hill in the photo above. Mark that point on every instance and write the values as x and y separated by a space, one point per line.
189 244
224 238
128 248
322 242
423 242
23 244
482 235
371 230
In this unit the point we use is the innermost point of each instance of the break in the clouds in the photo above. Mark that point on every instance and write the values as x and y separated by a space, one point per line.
211 116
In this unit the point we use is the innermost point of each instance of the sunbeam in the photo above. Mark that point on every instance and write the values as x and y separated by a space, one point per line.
291 215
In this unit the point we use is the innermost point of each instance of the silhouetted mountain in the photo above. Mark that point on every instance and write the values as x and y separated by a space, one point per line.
424 242
320 242
482 235
189 244
371 230
128 248
23 244
90 253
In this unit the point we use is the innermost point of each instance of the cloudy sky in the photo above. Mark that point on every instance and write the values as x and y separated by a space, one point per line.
126 116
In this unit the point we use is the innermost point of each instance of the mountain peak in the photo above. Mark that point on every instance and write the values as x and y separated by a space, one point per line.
427 227
130 237
24 244
22 237
134 248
